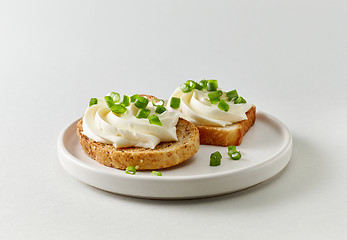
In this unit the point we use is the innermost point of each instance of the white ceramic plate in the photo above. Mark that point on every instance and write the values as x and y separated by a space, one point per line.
266 150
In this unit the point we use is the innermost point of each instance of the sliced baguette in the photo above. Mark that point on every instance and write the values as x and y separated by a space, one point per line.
164 155
229 135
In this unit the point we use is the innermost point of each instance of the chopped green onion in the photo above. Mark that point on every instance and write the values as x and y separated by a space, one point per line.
222 105
115 96
93 101
160 109
214 97
194 85
185 88
118 109
143 113
130 170
141 102
155 173
215 159
232 95
175 102
240 100
233 153
108 98
212 85
190 82
109 101
134 97
153 119
232 148
203 84
159 104
126 101
156 102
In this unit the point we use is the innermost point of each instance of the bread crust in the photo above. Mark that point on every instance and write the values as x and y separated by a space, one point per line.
229 135
164 155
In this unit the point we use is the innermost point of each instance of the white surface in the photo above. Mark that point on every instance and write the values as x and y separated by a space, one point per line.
265 152
287 57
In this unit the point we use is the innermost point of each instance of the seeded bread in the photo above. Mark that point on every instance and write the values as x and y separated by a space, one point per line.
164 155
229 135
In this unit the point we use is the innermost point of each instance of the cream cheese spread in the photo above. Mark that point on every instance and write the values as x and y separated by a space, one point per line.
125 130
196 107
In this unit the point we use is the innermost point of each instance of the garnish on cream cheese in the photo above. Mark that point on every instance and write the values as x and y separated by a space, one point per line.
205 104
129 123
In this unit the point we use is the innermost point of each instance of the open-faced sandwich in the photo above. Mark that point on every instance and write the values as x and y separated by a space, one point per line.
136 131
223 118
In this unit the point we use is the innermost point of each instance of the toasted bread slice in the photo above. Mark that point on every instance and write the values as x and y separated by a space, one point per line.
229 135
164 155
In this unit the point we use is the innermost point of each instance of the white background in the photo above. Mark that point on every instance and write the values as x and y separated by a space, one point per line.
289 58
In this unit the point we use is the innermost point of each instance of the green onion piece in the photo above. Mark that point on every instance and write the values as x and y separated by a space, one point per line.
126 101
109 101
155 173
185 88
118 109
203 84
115 96
212 85
130 170
197 86
232 148
215 159
233 153
153 119
156 102
190 82
194 85
143 113
214 97
239 100
93 101
232 95
175 102
160 109
134 97
222 105
141 102
108 98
